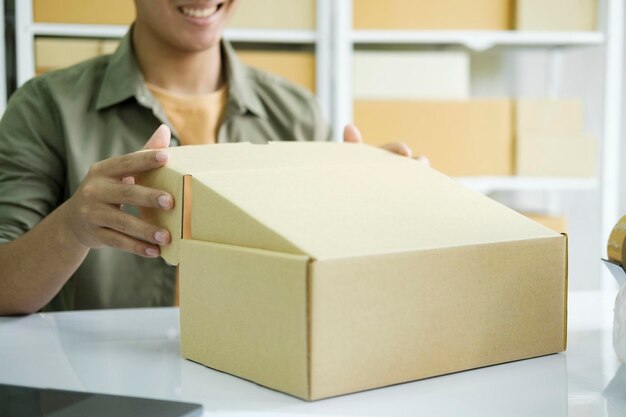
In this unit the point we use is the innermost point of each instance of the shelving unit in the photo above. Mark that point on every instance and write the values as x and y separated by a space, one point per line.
475 40
588 308
118 31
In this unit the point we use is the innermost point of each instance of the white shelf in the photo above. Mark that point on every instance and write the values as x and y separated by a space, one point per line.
476 40
489 184
271 36
76 30
118 31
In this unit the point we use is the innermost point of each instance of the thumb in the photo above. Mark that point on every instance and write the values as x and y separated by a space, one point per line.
160 138
352 135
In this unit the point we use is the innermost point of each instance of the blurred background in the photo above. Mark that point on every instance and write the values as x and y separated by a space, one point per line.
519 99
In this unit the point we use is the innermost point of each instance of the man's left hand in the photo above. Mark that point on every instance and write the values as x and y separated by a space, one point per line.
352 135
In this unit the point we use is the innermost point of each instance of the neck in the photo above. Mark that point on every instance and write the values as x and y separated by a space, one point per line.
183 72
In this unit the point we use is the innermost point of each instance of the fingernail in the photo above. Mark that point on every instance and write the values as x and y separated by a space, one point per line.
165 201
162 156
161 236
152 252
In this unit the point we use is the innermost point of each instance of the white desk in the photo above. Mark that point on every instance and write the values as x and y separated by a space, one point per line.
135 352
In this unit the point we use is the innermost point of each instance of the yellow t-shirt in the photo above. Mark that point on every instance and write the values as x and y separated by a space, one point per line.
196 118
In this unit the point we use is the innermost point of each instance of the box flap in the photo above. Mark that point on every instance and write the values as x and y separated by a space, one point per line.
374 205
192 160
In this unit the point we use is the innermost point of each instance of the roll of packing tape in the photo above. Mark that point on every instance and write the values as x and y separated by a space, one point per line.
617 243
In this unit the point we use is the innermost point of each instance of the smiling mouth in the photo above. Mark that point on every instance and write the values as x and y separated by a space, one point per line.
199 12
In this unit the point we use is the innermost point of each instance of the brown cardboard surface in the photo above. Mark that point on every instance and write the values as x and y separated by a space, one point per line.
193 160
245 312
295 66
575 15
397 318
542 115
429 14
308 211
112 12
320 269
56 53
415 75
274 14
460 138
556 223
555 154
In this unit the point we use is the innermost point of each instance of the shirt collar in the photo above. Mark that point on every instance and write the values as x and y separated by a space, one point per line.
242 96
122 76
123 80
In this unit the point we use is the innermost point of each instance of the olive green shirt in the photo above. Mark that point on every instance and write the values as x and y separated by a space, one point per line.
57 125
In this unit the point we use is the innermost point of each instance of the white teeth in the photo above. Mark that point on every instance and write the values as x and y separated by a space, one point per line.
188 11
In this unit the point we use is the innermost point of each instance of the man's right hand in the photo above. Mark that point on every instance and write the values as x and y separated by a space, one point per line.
93 214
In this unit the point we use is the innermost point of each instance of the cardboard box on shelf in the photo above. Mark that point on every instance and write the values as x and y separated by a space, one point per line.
556 223
295 66
549 139
429 14
411 75
111 12
275 14
56 53
548 115
320 269
461 138
566 15
548 154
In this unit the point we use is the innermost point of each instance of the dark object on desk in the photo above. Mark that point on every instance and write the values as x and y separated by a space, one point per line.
18 401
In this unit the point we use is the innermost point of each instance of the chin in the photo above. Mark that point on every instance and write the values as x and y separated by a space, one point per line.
195 42
199 45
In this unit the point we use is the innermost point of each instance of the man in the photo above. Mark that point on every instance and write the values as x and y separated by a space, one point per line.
65 191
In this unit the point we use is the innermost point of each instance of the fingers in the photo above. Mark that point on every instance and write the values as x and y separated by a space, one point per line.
126 243
136 195
131 226
398 148
130 165
159 139
352 135
423 159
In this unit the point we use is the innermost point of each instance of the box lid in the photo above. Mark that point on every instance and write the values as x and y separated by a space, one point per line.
193 160
336 200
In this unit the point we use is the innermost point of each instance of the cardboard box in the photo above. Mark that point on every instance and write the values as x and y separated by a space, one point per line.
295 66
110 12
556 155
411 75
274 14
320 269
56 53
556 223
429 14
549 139
460 138
548 115
564 15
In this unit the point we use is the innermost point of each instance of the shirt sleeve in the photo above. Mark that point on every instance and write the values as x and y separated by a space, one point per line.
32 170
